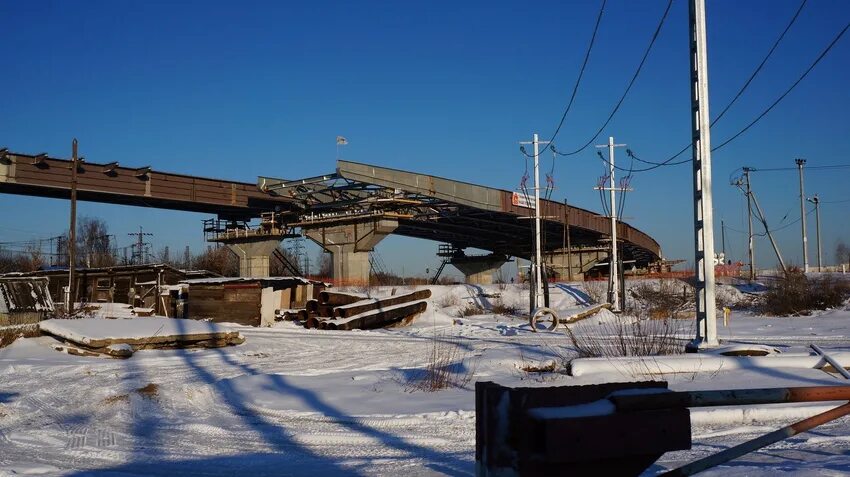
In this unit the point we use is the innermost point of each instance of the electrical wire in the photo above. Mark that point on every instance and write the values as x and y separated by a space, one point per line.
669 160
578 80
761 65
764 221
807 168
783 95
629 87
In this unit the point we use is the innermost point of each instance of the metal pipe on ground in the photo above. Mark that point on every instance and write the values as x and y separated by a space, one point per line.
759 442
378 318
325 310
338 298
672 400
831 361
312 321
348 311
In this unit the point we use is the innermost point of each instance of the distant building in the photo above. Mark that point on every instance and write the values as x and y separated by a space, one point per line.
145 286
24 300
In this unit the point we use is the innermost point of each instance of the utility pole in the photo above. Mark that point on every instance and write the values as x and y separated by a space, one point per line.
614 294
800 164
538 255
723 238
72 235
750 224
770 236
567 239
815 200
706 329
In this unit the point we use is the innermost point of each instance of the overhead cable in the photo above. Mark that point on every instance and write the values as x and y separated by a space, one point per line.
578 80
629 87
791 88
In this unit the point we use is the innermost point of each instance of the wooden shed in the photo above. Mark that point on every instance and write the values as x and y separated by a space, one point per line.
24 300
137 285
246 300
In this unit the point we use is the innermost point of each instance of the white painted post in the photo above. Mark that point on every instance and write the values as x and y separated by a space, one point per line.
706 329
538 256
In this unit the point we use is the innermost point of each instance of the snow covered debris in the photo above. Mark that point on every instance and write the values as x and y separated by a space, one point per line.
140 333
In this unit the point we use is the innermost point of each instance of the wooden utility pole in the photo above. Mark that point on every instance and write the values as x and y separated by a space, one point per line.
72 233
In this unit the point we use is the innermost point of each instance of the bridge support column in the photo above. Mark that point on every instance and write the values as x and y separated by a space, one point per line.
580 260
254 256
479 270
350 245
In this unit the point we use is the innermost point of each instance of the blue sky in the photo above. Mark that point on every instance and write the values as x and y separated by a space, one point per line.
237 90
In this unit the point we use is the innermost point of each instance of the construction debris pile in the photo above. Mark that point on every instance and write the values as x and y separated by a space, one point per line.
347 311
121 338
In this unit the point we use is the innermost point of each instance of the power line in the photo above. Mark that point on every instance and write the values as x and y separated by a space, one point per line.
791 88
761 65
808 168
578 80
669 160
629 87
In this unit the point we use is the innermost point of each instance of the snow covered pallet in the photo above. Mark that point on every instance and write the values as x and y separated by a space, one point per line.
120 338
346 311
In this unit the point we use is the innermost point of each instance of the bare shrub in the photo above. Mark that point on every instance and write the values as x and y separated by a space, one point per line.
620 335
448 366
795 294
447 300
597 291
500 281
470 309
662 299
10 334
499 307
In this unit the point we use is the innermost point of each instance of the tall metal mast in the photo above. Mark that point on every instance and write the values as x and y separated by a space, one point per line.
706 329
800 163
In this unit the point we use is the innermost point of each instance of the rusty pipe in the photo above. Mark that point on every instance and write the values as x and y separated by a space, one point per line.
643 402
762 441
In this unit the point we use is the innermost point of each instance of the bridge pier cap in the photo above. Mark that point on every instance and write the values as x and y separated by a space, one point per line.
350 244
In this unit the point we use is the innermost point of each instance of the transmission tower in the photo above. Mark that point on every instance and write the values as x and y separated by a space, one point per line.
140 249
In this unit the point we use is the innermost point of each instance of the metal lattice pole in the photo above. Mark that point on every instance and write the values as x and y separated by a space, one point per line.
706 329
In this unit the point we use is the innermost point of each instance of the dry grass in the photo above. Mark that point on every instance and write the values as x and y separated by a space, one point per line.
447 300
448 366
501 308
796 294
661 300
629 336
149 391
470 309
116 399
10 334
597 291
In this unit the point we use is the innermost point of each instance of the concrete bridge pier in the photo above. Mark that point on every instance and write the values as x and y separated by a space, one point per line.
480 269
350 245
254 255
579 259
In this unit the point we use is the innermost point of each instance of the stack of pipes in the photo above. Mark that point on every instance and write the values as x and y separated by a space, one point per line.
347 311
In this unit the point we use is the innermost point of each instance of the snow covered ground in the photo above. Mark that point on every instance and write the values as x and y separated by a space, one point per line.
292 401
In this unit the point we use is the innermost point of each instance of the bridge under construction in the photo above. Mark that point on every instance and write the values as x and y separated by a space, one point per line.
347 212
